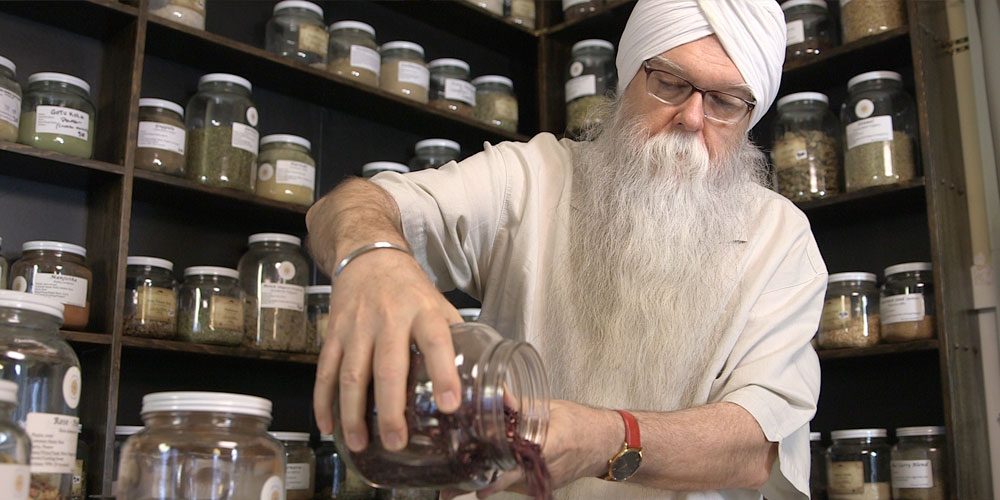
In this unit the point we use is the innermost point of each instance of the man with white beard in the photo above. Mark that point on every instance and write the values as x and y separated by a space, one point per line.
671 296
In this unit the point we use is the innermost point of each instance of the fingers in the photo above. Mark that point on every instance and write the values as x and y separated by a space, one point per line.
355 375
391 367
433 337
326 380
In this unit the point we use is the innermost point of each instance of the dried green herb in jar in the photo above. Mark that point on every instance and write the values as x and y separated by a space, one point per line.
582 114
805 164
861 18
880 163
214 158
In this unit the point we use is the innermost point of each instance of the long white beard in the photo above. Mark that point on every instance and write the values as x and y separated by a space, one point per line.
645 290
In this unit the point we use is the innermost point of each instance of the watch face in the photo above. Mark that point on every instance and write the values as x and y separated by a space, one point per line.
626 465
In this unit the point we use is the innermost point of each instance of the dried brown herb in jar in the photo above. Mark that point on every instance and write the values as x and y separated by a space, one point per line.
806 164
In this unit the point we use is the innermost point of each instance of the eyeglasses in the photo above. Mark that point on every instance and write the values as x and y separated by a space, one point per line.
671 89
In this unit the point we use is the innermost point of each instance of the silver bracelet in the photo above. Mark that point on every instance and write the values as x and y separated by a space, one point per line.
365 249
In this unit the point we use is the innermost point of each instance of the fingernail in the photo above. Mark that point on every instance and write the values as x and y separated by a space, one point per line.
354 441
394 441
449 400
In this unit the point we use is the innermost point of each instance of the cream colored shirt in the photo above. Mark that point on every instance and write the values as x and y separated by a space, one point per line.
493 224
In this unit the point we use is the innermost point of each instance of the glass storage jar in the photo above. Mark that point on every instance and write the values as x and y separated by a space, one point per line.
210 306
59 271
590 78
202 445
450 87
817 474
297 31
334 481
353 52
907 302
318 306
300 465
274 274
857 465
850 312
222 132
806 151
861 18
190 13
122 433
494 6
404 72
920 464
47 373
57 114
150 298
523 12
504 393
79 489
4 268
433 153
10 100
15 447
162 137
809 29
880 122
575 9
286 170
374 168
495 101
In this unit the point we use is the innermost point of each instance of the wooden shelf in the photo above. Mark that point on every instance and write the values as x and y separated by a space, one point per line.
844 61
213 350
28 162
85 337
614 9
904 192
879 350
101 19
470 22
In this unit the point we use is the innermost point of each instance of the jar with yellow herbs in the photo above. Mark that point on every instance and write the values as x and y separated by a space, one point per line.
495 101
274 273
809 29
58 114
190 13
861 18
353 52
286 171
58 271
907 302
210 306
433 153
857 465
575 9
880 121
806 151
318 307
150 298
374 168
590 78
10 100
850 312
450 87
297 31
920 464
300 465
222 137
404 72
162 137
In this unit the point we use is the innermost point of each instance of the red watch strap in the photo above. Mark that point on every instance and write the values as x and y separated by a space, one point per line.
631 429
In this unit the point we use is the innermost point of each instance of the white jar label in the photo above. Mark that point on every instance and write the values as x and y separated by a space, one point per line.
53 442
10 107
273 489
155 303
459 90
281 296
286 270
869 130
313 39
414 73
15 481
62 121
156 135
796 32
576 69
846 478
226 313
912 474
72 387
19 284
864 108
70 290
902 308
252 116
569 3
297 477
581 86
365 58
294 173
245 137
265 172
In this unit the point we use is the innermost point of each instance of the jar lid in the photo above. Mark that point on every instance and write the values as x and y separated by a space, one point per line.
874 75
858 433
227 78
326 438
803 96
294 139
934 430
318 289
855 276
277 237
150 261
7 63
149 102
290 436
502 80
127 430
31 302
798 3
298 4
385 165
57 246
355 25
438 143
61 78
908 267
206 401
815 436
593 42
212 271
439 63
403 46
8 392
470 312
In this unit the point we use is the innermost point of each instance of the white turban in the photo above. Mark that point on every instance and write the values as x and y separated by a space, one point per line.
751 31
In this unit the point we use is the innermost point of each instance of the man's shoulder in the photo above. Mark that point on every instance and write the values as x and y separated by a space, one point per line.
544 150
776 209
